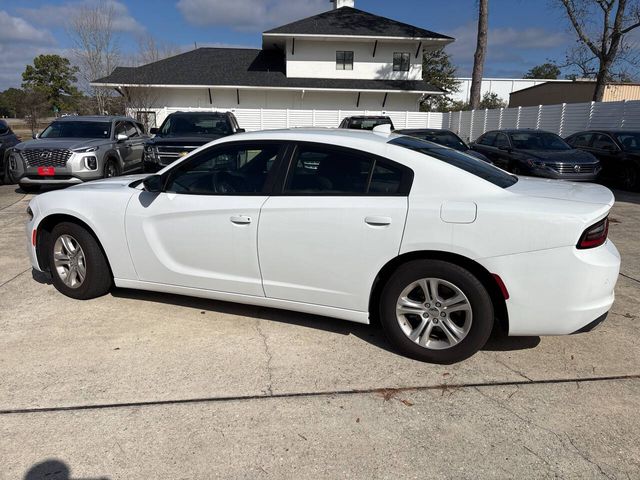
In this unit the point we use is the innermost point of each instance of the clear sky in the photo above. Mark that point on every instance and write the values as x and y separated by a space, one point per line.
522 33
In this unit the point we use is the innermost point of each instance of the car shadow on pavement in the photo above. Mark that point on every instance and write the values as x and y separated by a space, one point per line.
369 333
54 469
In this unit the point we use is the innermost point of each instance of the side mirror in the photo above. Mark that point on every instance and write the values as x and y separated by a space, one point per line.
153 131
154 183
240 130
121 137
35 135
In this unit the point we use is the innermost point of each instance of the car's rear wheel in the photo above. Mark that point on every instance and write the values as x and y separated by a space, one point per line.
78 266
436 311
111 169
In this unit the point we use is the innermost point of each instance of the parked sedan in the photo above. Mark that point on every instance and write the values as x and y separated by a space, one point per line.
438 250
618 152
8 139
443 137
538 154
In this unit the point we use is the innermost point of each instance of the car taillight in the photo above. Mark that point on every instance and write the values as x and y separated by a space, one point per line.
595 235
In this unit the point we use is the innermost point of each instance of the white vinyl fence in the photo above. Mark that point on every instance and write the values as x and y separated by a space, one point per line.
563 119
271 118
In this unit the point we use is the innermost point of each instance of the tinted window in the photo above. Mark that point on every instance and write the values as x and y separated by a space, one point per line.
446 138
502 141
369 123
195 124
538 141
460 160
581 140
401 61
604 142
226 170
385 179
329 171
487 139
126 128
68 129
629 141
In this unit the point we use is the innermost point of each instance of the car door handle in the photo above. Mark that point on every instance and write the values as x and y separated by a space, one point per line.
378 221
240 219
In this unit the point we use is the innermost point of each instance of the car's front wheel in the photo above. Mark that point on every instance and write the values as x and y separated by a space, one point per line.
436 311
111 169
79 268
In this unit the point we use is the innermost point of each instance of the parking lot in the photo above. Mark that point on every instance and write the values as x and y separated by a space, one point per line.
144 385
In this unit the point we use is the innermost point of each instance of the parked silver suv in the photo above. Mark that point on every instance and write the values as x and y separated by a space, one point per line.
76 149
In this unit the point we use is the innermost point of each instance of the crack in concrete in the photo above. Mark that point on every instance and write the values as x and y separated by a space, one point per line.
508 367
12 279
269 355
14 203
629 277
560 438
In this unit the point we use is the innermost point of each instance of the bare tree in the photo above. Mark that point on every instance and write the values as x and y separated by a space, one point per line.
96 46
481 53
601 27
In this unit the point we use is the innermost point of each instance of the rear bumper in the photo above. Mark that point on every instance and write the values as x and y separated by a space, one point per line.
557 291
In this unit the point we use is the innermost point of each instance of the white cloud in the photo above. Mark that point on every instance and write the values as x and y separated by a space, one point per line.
59 15
16 29
248 14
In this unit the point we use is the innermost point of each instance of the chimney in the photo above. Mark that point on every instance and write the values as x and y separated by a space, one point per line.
343 3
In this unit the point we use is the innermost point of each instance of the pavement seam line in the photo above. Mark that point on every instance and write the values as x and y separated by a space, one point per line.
444 386
629 277
14 203
12 279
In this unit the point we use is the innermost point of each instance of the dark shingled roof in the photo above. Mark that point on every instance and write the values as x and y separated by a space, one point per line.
244 68
351 21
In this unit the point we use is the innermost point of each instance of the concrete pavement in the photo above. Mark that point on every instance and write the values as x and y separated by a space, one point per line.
145 385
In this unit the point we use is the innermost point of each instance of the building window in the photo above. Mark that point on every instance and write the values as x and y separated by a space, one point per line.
401 61
344 60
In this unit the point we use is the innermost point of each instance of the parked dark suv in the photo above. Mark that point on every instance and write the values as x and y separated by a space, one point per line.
445 138
183 132
365 122
537 153
618 152
8 139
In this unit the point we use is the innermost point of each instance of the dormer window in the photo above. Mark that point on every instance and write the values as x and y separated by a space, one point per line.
401 61
344 60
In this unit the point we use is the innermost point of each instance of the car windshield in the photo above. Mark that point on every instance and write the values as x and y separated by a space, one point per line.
538 141
368 123
77 129
463 161
196 124
630 141
448 139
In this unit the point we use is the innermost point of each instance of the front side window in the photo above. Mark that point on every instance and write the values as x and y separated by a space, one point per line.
401 61
502 141
581 140
487 139
126 128
630 141
80 129
604 142
225 170
318 170
460 160
344 60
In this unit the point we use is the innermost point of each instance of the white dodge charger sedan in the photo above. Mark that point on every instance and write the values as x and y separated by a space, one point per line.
355 225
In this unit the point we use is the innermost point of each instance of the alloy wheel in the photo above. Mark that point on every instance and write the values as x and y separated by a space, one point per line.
70 261
434 313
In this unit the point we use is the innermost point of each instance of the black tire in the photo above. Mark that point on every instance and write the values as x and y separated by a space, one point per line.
29 188
98 279
482 312
110 169
628 177
8 177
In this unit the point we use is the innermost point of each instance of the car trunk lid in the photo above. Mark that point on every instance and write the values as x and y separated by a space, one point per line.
561 190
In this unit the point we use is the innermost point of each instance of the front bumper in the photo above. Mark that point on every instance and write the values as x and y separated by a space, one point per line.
75 171
572 177
557 291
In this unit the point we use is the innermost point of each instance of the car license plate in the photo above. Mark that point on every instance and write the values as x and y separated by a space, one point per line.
46 171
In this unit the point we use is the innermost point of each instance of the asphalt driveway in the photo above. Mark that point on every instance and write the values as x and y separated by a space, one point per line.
145 385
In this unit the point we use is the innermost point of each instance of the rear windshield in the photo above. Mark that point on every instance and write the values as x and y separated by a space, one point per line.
444 137
368 123
458 159
538 141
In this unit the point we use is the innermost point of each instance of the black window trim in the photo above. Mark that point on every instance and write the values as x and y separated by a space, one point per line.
506 135
344 59
286 172
610 137
270 181
402 56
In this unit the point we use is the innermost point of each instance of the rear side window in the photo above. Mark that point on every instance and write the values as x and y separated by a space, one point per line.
458 159
321 170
